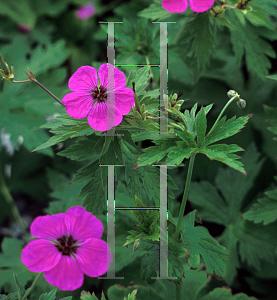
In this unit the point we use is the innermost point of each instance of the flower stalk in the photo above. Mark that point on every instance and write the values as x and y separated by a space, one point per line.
31 77
240 102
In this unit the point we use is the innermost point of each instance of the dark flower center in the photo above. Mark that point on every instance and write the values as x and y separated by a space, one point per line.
67 245
99 94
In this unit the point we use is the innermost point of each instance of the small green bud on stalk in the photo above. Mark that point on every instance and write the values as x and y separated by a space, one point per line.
232 93
5 71
241 103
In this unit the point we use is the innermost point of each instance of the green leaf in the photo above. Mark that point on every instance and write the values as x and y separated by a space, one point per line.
204 192
94 192
154 154
86 149
187 138
200 126
116 292
88 296
176 252
223 204
63 190
250 40
141 78
10 261
155 12
226 294
271 114
177 154
148 227
150 260
203 39
200 242
258 17
265 210
21 113
65 127
223 129
223 153
49 296
19 12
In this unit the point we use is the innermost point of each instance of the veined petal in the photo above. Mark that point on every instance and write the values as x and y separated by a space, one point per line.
98 117
84 79
40 255
77 104
124 100
108 82
82 224
200 5
48 227
94 257
66 275
175 6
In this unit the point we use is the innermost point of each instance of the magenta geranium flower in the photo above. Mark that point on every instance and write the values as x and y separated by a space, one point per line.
85 11
69 245
179 6
99 101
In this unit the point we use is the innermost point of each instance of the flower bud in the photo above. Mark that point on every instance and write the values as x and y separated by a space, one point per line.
241 103
5 71
232 93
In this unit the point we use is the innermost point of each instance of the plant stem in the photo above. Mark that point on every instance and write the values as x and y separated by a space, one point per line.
9 199
222 112
22 81
185 197
32 287
43 87
47 91
178 291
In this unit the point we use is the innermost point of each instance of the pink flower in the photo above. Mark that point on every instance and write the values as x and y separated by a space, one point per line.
69 245
85 11
179 6
90 99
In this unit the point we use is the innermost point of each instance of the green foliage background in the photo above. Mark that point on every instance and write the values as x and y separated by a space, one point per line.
207 56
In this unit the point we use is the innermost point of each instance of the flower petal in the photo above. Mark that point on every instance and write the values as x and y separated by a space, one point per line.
99 120
82 224
107 82
78 104
175 6
94 257
49 227
85 11
40 255
66 275
200 5
124 100
84 79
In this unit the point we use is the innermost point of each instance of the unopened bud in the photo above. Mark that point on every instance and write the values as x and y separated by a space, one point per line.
232 93
5 71
241 103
